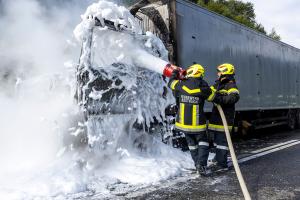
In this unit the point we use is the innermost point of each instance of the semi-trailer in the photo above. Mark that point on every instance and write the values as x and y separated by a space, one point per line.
267 70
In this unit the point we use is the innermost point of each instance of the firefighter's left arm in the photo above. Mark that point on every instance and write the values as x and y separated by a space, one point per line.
212 95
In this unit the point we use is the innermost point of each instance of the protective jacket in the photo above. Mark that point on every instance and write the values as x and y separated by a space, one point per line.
190 95
226 95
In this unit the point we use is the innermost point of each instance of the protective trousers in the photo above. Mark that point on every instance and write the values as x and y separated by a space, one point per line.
198 146
221 145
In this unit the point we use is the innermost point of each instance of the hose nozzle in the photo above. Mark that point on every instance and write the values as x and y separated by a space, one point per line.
169 68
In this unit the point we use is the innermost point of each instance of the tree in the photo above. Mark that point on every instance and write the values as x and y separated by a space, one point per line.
274 35
238 11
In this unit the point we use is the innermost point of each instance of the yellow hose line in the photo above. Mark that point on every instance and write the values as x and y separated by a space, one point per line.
233 156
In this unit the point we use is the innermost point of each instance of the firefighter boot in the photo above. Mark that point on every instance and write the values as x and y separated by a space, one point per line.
203 170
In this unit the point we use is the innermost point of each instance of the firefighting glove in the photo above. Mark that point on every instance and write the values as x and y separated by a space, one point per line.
171 110
175 74
218 98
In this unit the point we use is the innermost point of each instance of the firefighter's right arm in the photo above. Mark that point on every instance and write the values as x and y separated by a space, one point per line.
230 96
205 90
226 99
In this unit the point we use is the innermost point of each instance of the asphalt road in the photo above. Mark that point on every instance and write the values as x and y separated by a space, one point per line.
272 176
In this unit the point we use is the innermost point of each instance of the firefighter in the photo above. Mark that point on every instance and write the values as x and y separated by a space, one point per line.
190 94
226 94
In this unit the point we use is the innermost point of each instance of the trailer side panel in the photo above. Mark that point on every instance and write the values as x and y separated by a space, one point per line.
267 71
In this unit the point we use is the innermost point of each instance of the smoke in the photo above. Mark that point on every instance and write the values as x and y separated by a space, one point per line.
36 78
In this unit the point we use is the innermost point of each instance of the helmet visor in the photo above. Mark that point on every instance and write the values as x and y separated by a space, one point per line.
222 69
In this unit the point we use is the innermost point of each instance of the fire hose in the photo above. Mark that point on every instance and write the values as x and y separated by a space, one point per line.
233 156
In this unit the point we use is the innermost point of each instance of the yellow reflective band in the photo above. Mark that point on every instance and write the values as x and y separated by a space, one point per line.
213 88
197 115
223 91
190 128
173 84
215 127
182 113
211 96
233 90
194 123
193 91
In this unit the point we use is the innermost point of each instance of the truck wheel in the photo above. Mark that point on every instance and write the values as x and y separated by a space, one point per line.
292 122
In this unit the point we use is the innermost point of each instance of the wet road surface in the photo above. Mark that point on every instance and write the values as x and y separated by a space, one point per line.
274 174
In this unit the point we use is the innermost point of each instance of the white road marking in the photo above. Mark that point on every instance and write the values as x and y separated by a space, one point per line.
189 175
268 152
273 146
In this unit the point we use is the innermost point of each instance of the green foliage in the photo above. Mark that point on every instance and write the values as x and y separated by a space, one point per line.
274 35
238 11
